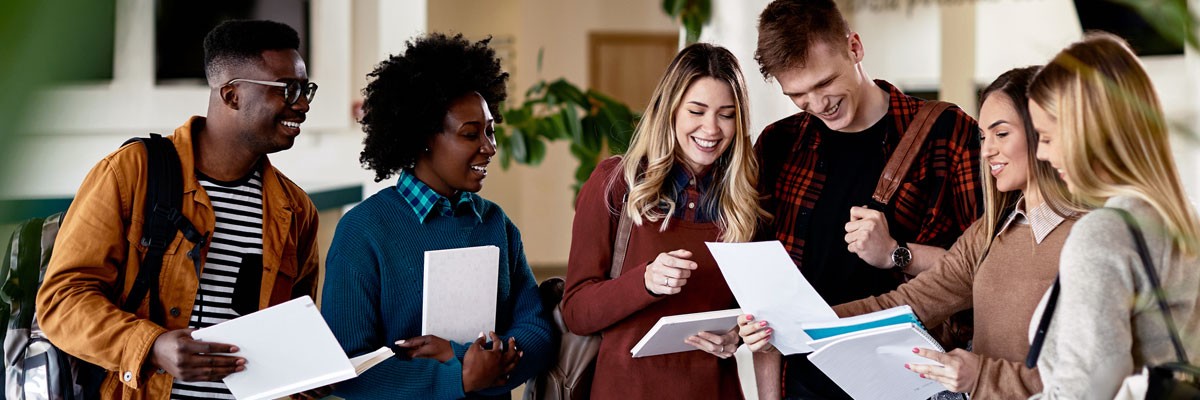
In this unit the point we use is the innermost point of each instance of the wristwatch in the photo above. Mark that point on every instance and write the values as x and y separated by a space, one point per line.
901 256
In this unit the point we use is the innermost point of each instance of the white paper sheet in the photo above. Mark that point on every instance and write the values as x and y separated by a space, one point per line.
768 286
459 298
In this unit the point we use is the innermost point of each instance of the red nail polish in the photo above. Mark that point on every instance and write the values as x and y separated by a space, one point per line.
922 375
916 350
769 331
906 366
762 323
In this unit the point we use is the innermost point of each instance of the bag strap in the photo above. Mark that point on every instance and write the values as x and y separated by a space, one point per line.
164 200
1039 338
1152 275
906 152
621 243
1144 253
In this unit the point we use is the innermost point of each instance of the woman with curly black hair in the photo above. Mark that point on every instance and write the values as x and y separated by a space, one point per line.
429 117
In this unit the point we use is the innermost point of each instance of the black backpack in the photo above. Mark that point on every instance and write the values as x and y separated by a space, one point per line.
33 366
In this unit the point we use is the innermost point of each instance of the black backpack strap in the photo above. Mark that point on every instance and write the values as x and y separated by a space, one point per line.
162 218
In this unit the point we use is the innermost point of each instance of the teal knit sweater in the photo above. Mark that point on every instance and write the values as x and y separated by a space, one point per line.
372 295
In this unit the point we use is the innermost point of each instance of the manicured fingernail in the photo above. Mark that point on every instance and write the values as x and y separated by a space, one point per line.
906 366
922 375
749 317
770 331
482 334
762 323
916 350
233 349
399 342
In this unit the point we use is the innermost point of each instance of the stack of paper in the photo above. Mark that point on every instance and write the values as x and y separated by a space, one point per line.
667 335
288 349
768 286
460 292
865 355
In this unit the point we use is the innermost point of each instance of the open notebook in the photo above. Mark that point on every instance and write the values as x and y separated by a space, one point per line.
288 349
865 355
667 335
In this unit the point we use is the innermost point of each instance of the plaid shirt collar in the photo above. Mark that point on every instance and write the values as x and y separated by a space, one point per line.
425 201
685 192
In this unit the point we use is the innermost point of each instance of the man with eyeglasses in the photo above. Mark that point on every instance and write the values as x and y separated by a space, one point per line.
259 228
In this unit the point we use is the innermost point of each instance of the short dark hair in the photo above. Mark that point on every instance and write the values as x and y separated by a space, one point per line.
788 28
409 94
238 41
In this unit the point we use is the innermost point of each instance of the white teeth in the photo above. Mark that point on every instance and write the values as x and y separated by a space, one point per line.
480 169
291 124
708 144
997 166
833 110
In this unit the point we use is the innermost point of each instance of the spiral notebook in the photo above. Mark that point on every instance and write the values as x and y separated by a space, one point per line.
869 364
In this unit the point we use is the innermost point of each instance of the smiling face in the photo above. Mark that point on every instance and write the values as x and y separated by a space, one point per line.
830 86
268 124
705 123
1003 143
1049 141
458 156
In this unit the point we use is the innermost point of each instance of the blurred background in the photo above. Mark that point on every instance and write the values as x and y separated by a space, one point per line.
81 77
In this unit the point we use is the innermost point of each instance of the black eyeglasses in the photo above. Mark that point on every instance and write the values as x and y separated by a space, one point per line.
291 90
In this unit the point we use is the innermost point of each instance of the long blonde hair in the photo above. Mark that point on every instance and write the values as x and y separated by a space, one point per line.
1114 135
1040 175
654 151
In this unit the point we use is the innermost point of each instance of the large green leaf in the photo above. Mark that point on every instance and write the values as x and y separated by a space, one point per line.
567 93
516 146
537 150
570 118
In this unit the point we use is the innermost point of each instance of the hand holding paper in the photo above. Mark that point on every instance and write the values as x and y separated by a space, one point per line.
192 360
768 286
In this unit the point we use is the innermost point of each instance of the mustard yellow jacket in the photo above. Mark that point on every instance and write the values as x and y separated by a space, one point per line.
97 255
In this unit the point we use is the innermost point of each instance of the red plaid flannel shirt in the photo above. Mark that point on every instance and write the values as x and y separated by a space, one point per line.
938 199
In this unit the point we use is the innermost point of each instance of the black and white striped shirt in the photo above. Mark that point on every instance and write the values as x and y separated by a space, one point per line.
232 275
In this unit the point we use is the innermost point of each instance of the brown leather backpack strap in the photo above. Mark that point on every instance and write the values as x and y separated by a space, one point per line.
906 152
620 243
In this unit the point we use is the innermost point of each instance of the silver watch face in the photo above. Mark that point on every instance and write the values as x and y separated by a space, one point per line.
901 257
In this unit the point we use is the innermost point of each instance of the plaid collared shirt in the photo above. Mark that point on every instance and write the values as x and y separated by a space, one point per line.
937 200
424 200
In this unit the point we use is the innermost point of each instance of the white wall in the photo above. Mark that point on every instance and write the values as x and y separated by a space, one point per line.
79 124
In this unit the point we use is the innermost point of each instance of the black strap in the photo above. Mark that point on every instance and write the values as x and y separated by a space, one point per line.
1152 275
1035 347
162 219
1144 252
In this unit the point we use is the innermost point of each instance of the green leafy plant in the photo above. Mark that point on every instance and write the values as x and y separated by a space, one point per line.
594 124
693 14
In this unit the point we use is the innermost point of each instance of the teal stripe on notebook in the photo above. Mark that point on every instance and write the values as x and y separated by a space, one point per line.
821 333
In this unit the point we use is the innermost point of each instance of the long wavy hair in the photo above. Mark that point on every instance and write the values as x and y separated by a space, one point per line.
654 151
1114 135
1040 175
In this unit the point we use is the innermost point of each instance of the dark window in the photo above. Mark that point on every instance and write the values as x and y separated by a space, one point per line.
1128 23
180 27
